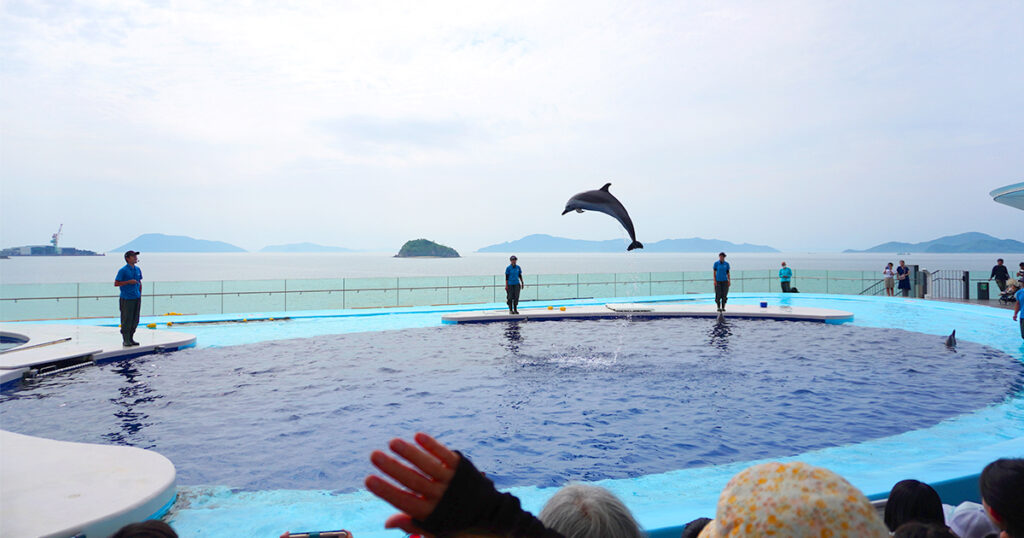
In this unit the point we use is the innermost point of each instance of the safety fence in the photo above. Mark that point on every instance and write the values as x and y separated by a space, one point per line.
960 284
20 302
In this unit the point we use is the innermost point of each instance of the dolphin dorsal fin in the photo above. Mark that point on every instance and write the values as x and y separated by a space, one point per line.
605 188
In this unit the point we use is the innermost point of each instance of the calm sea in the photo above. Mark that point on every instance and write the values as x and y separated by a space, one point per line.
258 266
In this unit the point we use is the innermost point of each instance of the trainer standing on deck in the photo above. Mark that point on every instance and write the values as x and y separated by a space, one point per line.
1017 308
514 283
785 275
129 279
722 280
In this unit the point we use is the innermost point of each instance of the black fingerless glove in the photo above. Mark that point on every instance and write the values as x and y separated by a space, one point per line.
472 503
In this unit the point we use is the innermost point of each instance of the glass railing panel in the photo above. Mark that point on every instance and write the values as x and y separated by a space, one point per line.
254 296
475 289
550 292
555 279
593 285
39 301
667 283
102 300
632 284
758 281
530 293
315 284
198 297
315 300
845 282
698 282
41 291
371 292
810 281
422 291
315 294
32 309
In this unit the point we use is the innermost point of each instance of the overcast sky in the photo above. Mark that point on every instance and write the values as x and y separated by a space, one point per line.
806 126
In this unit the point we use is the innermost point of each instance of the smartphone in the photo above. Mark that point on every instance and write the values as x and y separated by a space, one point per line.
321 534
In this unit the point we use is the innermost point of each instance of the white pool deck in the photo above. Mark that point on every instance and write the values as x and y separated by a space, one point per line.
61 489
640 310
51 343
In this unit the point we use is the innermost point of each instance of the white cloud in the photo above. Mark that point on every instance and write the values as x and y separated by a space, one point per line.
266 122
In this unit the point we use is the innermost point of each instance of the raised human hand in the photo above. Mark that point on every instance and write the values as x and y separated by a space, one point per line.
425 483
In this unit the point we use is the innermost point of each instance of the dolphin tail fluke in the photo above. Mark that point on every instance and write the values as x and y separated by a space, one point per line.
635 244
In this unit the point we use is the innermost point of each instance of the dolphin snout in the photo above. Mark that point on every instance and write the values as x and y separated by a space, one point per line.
566 210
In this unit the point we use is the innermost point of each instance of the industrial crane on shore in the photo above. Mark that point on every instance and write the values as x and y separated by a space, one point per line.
55 238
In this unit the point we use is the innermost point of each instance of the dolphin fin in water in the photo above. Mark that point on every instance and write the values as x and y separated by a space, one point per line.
951 339
602 201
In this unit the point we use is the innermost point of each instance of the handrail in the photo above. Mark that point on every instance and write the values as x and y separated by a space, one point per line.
409 288
871 290
281 295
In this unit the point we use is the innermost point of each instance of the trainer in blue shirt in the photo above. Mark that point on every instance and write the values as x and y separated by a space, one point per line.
722 280
1016 308
514 283
785 275
129 279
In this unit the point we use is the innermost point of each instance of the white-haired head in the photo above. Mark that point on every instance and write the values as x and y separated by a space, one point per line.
582 511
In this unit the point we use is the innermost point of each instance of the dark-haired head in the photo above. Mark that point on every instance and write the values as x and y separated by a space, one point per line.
1002 492
916 529
152 528
693 528
911 500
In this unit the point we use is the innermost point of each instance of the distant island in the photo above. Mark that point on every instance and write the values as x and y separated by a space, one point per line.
425 248
175 243
303 247
971 242
548 243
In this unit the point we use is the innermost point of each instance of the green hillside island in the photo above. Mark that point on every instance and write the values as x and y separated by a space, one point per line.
425 248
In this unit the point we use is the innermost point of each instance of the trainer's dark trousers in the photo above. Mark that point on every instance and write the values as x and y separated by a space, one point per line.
512 294
785 286
1022 324
130 309
721 292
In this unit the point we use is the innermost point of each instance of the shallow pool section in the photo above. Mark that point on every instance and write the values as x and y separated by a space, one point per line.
533 403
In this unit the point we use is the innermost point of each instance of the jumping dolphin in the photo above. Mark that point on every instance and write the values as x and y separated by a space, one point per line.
602 201
951 339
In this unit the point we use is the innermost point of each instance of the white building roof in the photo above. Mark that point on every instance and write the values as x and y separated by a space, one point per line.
1011 195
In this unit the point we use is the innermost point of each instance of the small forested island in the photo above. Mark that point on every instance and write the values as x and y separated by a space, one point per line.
425 248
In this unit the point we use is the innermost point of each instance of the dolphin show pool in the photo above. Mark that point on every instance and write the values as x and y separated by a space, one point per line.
270 424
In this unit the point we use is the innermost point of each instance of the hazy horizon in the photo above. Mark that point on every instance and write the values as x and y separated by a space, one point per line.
805 126
473 250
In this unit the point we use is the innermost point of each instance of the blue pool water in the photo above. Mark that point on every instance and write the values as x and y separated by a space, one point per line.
535 404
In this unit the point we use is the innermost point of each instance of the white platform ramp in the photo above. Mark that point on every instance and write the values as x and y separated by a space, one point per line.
45 348
61 489
661 310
